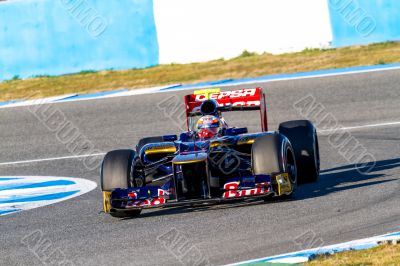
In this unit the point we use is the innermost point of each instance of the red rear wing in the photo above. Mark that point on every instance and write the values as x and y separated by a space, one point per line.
237 100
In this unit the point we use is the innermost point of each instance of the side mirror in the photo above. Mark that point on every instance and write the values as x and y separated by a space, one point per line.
170 137
233 131
185 136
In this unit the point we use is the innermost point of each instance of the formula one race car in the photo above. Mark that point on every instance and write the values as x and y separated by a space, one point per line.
211 162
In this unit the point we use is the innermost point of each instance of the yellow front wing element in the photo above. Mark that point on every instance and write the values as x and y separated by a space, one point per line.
207 92
106 201
284 185
245 141
155 150
189 161
218 143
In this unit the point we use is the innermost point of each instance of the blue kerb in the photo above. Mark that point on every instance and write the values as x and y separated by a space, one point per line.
37 185
8 211
233 82
52 196
9 178
90 95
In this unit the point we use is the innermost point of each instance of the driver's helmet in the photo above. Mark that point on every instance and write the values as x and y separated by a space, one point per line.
208 126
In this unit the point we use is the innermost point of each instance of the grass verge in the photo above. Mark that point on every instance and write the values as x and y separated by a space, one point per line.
246 65
383 255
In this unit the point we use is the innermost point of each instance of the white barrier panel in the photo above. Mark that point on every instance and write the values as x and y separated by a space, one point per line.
202 30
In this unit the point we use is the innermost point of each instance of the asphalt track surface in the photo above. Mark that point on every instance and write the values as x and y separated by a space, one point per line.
343 205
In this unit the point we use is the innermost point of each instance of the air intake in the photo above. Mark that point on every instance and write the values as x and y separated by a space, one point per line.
208 107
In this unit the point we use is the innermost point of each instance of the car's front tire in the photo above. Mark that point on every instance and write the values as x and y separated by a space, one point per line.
272 154
116 173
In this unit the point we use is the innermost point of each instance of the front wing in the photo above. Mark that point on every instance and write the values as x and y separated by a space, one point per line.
258 186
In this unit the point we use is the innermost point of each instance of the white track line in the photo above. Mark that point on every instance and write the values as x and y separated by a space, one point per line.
31 191
52 159
101 154
360 127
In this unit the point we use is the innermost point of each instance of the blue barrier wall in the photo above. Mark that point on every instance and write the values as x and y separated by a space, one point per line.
50 37
53 37
364 21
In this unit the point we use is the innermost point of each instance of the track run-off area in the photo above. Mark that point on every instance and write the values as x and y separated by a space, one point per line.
352 200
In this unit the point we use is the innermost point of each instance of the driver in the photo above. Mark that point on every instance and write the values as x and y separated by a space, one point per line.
210 126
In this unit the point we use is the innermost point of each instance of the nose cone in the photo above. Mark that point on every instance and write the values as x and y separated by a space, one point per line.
190 158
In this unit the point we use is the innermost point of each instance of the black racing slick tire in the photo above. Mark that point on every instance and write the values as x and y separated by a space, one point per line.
272 154
116 173
148 140
302 134
116 169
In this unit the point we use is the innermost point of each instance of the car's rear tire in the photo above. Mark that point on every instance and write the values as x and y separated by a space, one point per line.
116 173
273 154
302 134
